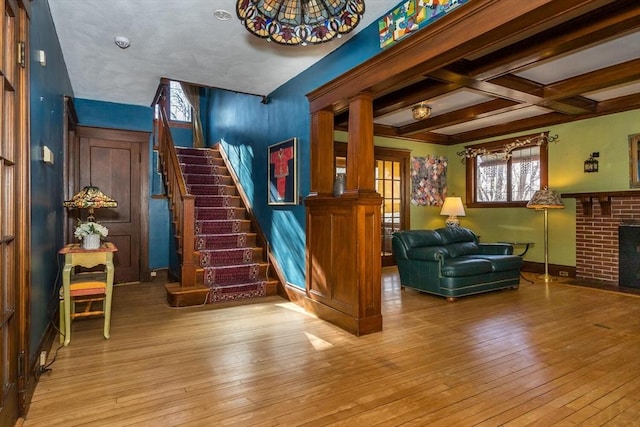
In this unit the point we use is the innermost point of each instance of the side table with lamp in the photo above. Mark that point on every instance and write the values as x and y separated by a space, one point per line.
93 286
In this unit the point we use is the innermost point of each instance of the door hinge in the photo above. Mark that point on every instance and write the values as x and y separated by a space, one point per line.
21 364
22 54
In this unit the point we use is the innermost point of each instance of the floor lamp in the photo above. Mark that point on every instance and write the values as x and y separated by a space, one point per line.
544 200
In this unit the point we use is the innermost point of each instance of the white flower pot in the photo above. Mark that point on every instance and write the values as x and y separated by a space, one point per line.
91 241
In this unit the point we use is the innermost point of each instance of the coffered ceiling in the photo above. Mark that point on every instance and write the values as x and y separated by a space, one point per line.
583 64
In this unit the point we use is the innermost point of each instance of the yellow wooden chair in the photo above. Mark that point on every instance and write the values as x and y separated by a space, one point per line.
87 288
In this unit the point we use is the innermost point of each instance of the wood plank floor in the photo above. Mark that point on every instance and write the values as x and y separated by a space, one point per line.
543 355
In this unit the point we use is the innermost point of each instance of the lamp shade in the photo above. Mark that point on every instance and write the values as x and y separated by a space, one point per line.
452 206
90 197
545 199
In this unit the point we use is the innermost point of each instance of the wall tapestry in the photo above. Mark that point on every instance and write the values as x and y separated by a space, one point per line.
428 180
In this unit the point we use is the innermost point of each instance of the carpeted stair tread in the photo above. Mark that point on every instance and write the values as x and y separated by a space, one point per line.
220 213
225 257
192 169
211 190
217 200
225 241
191 179
231 274
222 226
239 291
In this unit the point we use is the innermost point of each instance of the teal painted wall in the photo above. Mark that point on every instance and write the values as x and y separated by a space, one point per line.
246 128
48 85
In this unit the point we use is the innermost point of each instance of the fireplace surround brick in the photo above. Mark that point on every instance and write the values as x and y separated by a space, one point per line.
597 233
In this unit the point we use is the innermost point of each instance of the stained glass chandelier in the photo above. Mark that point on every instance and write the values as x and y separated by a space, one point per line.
300 22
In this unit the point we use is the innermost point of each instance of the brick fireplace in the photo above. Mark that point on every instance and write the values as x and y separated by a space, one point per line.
598 216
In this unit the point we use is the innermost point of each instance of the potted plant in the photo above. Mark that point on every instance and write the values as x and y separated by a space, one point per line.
90 233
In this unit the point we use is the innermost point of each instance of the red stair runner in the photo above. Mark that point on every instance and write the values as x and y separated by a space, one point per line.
222 233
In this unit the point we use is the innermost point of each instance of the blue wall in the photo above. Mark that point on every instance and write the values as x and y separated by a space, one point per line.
48 86
246 128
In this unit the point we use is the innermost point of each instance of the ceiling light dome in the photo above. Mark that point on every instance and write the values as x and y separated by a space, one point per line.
299 22
421 111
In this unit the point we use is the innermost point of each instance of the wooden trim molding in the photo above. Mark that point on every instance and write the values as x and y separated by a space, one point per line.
602 197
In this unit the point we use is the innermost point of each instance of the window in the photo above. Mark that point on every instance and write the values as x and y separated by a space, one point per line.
179 107
500 177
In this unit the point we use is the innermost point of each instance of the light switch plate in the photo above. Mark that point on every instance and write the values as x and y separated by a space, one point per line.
47 155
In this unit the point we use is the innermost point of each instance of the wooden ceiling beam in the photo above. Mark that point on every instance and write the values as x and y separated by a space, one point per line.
570 36
511 93
595 80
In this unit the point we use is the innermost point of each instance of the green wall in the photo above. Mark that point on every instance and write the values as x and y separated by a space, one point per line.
607 135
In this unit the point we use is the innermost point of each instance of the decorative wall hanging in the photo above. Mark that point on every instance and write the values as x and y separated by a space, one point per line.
428 180
283 173
410 16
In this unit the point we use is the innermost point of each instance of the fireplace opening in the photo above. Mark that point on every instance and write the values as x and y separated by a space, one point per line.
629 254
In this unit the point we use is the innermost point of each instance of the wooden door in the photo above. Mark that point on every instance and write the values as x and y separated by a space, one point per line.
116 161
14 211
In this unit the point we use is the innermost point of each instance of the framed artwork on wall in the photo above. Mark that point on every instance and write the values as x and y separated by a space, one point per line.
283 173
634 160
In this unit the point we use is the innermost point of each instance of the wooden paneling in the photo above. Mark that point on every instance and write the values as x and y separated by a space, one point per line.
343 261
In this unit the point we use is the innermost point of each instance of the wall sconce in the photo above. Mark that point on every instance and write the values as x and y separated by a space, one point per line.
421 111
591 164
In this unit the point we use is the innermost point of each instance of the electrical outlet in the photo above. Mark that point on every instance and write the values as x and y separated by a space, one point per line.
563 273
154 274
43 358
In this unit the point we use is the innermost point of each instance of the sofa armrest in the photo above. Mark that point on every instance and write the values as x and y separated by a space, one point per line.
495 249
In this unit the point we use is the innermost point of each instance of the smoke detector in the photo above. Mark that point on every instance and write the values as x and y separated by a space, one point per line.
122 42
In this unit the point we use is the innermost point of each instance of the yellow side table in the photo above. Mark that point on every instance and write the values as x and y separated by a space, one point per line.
90 286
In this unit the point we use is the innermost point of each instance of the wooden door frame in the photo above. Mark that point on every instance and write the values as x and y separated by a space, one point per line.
394 154
134 136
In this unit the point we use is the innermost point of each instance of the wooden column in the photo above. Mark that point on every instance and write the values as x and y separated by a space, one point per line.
322 169
360 167
343 257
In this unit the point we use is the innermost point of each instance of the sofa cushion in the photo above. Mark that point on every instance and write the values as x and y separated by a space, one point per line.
456 235
465 266
462 248
427 253
503 262
419 238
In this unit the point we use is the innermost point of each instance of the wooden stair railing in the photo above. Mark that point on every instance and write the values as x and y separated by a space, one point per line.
182 204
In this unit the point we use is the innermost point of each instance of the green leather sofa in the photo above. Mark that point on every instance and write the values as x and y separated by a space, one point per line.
450 262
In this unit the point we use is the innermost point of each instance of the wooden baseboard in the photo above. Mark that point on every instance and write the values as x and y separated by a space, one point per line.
554 269
354 325
178 296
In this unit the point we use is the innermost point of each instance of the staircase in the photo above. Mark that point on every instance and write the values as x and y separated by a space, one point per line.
229 260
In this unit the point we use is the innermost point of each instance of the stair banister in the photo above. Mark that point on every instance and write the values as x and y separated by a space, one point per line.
181 203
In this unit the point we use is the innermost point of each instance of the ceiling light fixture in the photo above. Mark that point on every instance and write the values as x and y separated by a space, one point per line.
421 111
222 15
122 42
299 22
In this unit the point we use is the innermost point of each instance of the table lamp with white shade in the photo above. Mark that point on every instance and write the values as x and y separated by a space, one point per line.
452 207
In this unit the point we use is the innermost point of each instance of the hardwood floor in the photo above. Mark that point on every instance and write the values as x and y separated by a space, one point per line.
543 355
